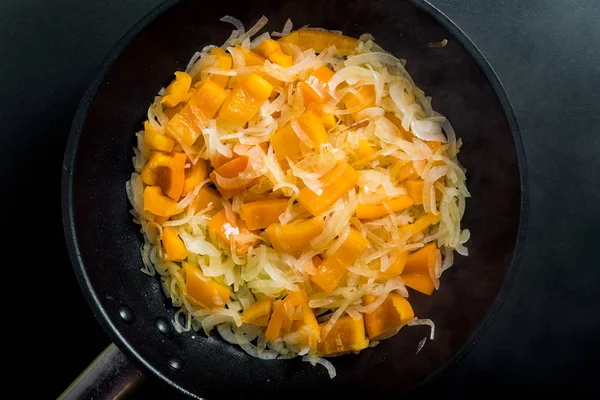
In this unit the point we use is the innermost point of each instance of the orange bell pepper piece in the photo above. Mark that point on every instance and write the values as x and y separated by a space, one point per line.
357 104
160 205
389 317
312 125
154 140
186 126
316 204
245 99
420 263
345 335
369 211
365 150
419 225
314 88
194 176
276 321
270 49
173 245
166 171
231 170
335 266
226 230
414 187
202 291
320 40
250 57
420 283
286 143
294 238
206 196
328 120
170 112
405 171
223 62
261 214
258 313
177 90
395 269
281 322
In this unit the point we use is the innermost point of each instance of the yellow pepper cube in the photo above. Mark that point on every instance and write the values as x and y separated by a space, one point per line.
335 266
312 125
369 211
173 245
346 335
296 237
261 214
419 225
389 317
245 99
202 291
414 187
177 90
224 62
154 140
160 205
186 126
320 40
258 313
316 204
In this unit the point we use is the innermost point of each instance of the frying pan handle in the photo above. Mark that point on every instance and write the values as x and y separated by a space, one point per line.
110 376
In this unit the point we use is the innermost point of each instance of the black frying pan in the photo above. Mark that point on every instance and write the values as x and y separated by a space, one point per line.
104 242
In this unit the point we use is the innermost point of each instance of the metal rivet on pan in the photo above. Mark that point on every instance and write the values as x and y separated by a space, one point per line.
175 363
163 325
126 314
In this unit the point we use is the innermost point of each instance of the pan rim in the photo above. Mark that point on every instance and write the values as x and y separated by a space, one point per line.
77 127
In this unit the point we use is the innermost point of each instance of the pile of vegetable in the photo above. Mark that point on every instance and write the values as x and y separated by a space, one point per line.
291 187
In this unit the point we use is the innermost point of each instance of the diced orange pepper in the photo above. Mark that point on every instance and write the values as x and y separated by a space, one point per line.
320 40
328 120
314 88
174 246
312 125
276 321
250 57
176 91
294 238
418 282
160 205
207 196
405 171
154 140
286 143
170 112
369 211
414 187
422 261
223 62
202 291
365 150
226 230
345 335
245 99
419 225
356 104
316 204
270 49
258 313
194 176
434 146
261 214
386 319
187 125
166 171
281 322
396 268
231 170
335 266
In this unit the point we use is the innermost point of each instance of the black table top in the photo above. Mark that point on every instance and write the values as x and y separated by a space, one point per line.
545 339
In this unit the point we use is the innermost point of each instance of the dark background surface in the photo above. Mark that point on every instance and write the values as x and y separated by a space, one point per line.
545 340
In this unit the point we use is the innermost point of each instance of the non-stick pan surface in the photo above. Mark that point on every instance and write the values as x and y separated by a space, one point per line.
104 243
